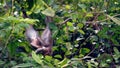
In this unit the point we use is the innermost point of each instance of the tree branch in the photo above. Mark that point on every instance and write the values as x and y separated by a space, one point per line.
64 22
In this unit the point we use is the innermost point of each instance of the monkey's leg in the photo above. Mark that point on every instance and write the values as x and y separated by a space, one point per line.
35 44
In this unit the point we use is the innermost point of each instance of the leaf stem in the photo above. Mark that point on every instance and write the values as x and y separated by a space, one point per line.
45 4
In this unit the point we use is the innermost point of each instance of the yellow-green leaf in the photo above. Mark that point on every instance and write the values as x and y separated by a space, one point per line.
36 57
63 62
89 15
67 6
69 23
81 31
80 25
114 19
49 12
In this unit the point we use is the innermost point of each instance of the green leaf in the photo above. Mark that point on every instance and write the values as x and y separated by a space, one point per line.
63 62
59 40
71 28
114 41
12 19
49 12
89 15
53 26
68 52
81 31
69 23
58 56
1 62
38 6
48 58
23 65
56 61
28 20
116 51
55 33
114 19
89 65
80 25
104 64
36 58
82 5
67 6
69 45
84 51
74 16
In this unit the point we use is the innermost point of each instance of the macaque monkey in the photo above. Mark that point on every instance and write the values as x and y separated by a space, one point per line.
47 38
43 43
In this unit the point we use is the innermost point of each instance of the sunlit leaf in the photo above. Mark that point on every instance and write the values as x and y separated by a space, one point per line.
63 62
12 19
81 31
36 58
82 5
71 28
84 51
48 58
49 12
89 15
1 62
58 56
74 16
23 65
67 6
54 34
114 19
80 25
69 23
116 51
56 61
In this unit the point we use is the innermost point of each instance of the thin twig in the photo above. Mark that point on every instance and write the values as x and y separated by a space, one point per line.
12 7
90 52
102 20
95 18
64 22
83 44
108 18
116 15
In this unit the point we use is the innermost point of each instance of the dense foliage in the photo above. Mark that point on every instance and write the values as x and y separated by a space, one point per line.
86 33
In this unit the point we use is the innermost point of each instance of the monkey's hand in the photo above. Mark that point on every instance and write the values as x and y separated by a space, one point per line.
44 50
